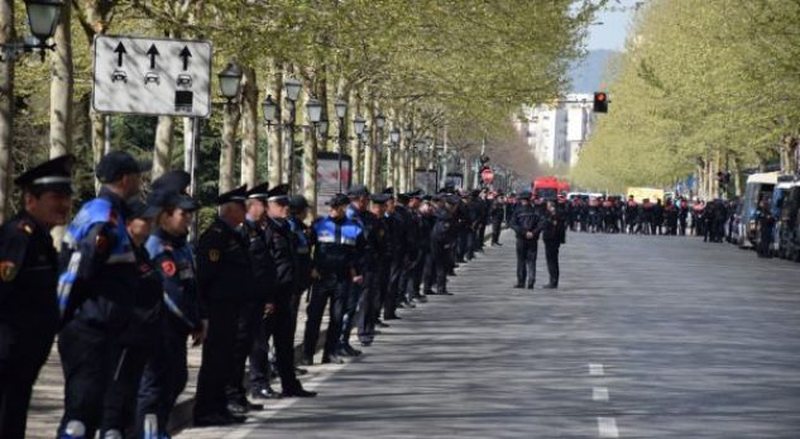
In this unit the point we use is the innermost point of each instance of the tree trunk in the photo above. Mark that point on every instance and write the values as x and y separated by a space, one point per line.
162 153
61 86
6 108
369 149
354 110
249 104
230 121
275 165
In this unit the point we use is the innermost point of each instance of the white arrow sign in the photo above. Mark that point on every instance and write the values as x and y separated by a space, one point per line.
152 76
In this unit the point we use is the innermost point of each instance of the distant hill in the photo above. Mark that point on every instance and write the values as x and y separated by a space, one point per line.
587 74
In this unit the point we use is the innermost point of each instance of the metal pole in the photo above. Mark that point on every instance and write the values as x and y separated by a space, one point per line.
292 115
341 148
107 134
192 165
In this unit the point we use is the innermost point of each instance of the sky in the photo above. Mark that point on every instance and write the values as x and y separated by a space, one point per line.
611 34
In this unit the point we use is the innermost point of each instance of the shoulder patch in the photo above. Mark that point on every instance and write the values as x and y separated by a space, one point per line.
213 255
26 227
8 271
168 267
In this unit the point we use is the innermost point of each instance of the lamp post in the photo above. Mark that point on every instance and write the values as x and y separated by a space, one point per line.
341 111
270 108
230 81
380 123
292 87
43 17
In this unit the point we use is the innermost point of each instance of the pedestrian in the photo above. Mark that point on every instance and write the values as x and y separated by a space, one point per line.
223 260
376 239
356 212
339 242
97 295
496 214
182 314
552 241
525 223
29 312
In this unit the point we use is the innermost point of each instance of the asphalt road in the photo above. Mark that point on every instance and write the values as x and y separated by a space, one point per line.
648 337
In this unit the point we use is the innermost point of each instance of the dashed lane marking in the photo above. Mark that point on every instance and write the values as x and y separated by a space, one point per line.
596 369
607 428
600 394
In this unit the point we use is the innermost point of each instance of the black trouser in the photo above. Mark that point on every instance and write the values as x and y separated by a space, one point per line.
394 287
247 327
119 407
551 253
89 358
429 271
470 244
370 304
218 356
165 374
279 326
481 234
527 250
23 352
462 246
413 274
325 289
496 229
383 280
352 303
443 261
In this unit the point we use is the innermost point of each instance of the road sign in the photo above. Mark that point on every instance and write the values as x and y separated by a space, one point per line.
160 77
487 175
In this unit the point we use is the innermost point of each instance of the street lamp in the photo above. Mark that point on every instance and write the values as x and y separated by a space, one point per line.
270 109
341 108
359 124
408 132
323 128
394 136
292 87
230 81
43 17
314 109
380 121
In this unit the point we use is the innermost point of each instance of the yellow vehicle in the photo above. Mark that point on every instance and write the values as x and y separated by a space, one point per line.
640 193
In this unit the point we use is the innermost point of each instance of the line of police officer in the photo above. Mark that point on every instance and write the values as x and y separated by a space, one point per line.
127 290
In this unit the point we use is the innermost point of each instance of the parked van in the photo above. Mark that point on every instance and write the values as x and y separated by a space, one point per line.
759 187
787 228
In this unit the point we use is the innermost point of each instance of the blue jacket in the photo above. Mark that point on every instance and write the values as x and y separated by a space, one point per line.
174 260
340 244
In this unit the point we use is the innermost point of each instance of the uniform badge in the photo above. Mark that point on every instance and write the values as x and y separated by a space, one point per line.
25 227
101 243
213 255
8 271
168 267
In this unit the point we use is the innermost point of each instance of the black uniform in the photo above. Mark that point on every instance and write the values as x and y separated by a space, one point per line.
443 238
526 220
551 236
401 225
376 238
497 213
223 261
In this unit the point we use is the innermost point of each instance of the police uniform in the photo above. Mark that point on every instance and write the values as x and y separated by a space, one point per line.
353 301
97 296
524 220
419 245
282 245
251 312
223 260
376 237
443 240
497 212
551 236
339 242
165 373
28 306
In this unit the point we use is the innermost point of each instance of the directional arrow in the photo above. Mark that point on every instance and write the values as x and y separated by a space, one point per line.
120 51
185 54
153 53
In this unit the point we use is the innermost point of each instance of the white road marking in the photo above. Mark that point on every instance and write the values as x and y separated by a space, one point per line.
596 369
257 419
607 428
600 394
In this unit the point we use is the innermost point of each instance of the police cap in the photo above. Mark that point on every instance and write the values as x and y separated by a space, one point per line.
138 209
259 192
358 191
298 202
279 194
380 198
525 194
117 164
238 195
175 181
338 200
52 175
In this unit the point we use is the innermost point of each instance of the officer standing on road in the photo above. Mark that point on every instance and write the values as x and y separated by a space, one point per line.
551 236
252 309
28 279
525 221
182 314
336 267
282 244
443 238
298 212
376 238
97 293
355 212
223 261
496 213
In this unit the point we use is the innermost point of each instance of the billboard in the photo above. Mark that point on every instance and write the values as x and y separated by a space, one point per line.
328 172
427 180
454 179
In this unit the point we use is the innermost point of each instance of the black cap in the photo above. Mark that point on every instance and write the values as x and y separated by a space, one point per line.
338 200
525 194
279 194
298 202
415 194
164 197
379 198
116 164
436 198
476 193
427 197
140 210
172 181
238 195
259 192
358 190
452 199
52 175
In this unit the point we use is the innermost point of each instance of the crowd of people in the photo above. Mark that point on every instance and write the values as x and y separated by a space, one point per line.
129 290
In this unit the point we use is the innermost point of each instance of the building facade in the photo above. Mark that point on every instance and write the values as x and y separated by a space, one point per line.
557 132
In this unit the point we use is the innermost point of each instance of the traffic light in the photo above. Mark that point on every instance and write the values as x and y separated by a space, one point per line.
600 102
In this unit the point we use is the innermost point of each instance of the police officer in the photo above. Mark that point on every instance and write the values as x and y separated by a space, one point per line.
304 242
376 238
525 222
443 239
497 213
355 212
338 243
28 278
223 260
283 247
97 293
551 236
165 374
417 245
252 309
399 220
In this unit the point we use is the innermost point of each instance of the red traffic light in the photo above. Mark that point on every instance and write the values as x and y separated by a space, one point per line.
601 97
